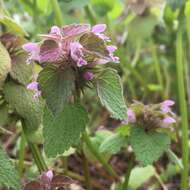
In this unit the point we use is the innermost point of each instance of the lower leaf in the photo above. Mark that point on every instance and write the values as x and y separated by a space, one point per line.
148 146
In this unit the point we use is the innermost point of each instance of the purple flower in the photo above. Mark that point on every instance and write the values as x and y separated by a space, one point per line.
46 179
77 54
55 30
169 120
32 86
111 50
88 75
33 49
77 42
165 106
98 29
131 118
49 174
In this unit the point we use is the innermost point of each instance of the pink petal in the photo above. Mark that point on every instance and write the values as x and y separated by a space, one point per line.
55 30
77 54
88 75
49 174
111 49
31 47
99 28
81 62
32 86
169 120
131 118
168 103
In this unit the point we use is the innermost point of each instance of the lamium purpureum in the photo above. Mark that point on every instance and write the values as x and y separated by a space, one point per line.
153 116
76 46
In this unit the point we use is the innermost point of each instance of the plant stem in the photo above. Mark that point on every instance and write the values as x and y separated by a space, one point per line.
65 164
183 109
127 175
21 153
90 14
158 69
188 59
40 163
86 172
57 11
98 156
137 53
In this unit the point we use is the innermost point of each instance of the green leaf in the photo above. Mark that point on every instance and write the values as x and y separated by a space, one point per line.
22 101
96 141
124 130
20 71
12 25
57 87
174 159
64 130
113 144
8 174
4 115
148 146
5 64
143 174
110 92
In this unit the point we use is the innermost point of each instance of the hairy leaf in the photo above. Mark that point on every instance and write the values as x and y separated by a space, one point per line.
4 115
57 86
22 101
64 130
113 144
5 64
110 92
8 174
148 146
20 71
50 51
94 44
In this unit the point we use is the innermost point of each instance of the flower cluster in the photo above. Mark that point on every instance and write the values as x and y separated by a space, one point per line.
48 180
78 46
153 116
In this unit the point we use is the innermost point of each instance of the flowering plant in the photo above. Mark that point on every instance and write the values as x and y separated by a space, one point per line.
44 91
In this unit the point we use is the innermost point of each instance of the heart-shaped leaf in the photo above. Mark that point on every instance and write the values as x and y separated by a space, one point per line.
148 146
63 130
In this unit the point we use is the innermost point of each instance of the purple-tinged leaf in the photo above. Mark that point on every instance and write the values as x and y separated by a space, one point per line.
75 29
50 51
